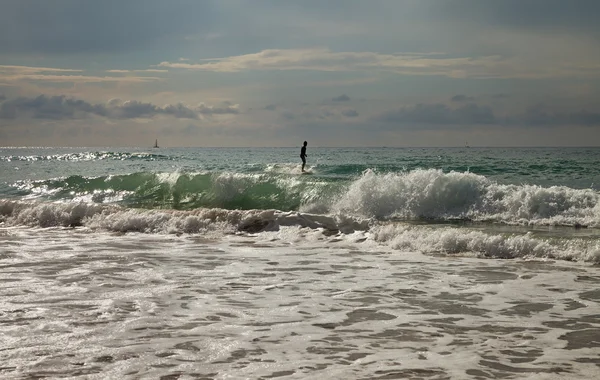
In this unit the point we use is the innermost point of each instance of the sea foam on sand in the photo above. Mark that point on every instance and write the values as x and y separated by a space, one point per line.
295 302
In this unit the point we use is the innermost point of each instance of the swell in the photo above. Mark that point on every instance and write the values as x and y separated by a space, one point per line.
431 195
181 191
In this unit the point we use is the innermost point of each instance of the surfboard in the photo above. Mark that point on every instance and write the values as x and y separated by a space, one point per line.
307 172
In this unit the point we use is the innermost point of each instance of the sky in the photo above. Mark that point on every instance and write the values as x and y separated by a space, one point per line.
407 73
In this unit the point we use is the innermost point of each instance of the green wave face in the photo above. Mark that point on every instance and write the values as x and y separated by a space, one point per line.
429 195
514 186
183 191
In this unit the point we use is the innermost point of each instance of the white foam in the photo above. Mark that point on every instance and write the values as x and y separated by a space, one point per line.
426 239
119 219
433 194
151 306
47 214
284 168
449 240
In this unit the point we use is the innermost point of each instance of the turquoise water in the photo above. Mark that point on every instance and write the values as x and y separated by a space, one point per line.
255 178
575 167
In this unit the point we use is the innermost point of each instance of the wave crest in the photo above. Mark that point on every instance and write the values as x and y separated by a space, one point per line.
117 219
419 194
434 195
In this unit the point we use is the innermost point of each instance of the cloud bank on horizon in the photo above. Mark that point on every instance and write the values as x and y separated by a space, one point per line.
272 73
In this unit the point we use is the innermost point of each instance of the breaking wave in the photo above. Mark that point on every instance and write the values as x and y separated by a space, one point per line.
434 195
118 219
450 241
430 195
447 240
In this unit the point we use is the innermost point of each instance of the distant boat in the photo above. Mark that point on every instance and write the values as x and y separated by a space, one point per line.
155 144
467 145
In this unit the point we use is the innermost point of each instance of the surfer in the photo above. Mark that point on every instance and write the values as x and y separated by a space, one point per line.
303 155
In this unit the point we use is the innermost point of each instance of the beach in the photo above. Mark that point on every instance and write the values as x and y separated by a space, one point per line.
105 279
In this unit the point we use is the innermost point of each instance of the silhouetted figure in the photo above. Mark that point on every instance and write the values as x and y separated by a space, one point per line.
303 155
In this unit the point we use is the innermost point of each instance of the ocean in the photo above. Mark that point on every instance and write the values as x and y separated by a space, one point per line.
229 263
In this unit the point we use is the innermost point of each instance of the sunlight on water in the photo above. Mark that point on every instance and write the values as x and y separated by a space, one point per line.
290 303
228 263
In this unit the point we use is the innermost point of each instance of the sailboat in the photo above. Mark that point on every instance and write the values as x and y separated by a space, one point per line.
155 144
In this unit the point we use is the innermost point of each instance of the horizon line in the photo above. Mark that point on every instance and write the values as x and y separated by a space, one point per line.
295 146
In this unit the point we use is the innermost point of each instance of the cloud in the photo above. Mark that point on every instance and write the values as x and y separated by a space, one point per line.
63 108
288 115
72 26
540 116
321 59
544 15
349 113
117 71
271 107
462 98
13 73
33 69
341 98
439 114
473 114
211 110
319 114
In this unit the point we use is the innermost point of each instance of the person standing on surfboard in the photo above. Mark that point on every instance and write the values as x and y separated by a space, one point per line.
303 155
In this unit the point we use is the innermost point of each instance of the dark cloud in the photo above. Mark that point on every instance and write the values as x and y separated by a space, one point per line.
473 114
63 108
500 96
287 115
440 114
576 15
539 116
319 114
241 26
2 97
50 107
271 107
74 26
350 113
341 98
179 111
462 98
323 114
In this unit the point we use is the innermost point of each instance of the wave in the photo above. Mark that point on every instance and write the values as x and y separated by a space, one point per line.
434 195
215 223
180 190
453 241
89 156
119 219
423 194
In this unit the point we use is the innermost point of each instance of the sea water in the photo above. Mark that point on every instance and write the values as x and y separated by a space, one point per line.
385 263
